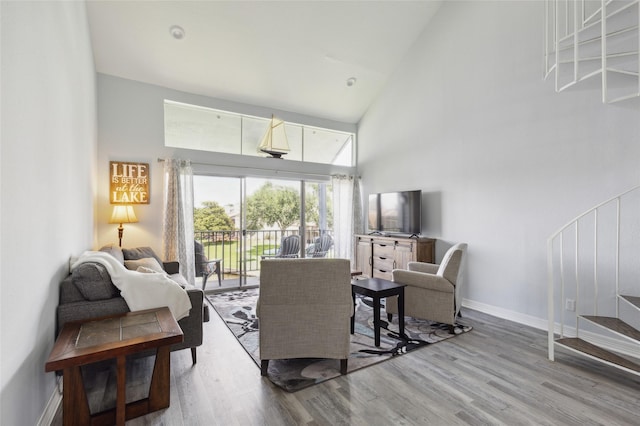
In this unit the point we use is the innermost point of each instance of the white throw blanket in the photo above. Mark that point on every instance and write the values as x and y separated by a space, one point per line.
141 290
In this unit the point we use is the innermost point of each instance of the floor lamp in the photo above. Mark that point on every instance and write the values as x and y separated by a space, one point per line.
122 214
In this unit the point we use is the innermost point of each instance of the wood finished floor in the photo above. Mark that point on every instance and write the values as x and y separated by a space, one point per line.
498 374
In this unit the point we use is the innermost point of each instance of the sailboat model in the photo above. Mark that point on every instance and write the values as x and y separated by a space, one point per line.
274 142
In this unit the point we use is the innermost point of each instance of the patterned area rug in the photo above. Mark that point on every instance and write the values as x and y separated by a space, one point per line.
238 310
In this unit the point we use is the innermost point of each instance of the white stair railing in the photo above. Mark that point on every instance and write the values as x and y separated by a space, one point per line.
577 261
594 43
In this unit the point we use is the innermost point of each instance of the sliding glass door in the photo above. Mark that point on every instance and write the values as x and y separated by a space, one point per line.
217 223
272 214
318 219
242 220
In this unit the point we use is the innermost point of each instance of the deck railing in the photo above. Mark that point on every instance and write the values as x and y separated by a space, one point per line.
230 246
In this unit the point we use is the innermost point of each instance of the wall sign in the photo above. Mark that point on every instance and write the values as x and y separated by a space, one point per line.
128 183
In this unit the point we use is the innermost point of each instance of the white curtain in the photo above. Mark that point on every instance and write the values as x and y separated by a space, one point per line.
178 238
347 215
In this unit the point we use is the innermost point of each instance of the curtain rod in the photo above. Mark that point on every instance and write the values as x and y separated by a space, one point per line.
161 160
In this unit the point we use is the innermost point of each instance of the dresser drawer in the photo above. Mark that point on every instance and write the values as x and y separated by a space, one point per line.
383 250
385 275
383 263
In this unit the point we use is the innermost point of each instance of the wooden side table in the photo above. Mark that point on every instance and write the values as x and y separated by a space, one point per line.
86 342
377 288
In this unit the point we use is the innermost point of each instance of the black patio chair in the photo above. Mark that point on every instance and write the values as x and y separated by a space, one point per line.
289 247
206 267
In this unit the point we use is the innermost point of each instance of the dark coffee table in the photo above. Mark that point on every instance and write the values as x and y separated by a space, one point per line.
86 342
377 288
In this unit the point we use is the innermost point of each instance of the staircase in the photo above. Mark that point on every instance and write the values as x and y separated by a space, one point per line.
594 44
594 284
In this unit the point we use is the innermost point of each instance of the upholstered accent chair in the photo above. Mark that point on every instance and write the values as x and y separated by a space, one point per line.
433 291
304 308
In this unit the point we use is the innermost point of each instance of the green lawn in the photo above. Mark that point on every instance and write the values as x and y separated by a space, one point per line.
229 253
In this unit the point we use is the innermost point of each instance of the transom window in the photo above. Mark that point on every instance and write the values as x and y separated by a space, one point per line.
207 129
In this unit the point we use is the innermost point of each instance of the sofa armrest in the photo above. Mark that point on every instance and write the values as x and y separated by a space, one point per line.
171 267
191 325
421 280
86 309
428 268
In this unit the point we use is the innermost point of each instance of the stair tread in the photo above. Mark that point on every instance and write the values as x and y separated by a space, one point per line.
597 352
616 325
633 300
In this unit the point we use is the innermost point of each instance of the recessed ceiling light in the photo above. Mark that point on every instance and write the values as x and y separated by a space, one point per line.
177 32
351 81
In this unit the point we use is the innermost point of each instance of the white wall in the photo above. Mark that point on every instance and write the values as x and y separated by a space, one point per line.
48 185
503 159
131 128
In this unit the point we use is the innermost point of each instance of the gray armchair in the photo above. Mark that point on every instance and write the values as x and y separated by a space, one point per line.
433 291
305 306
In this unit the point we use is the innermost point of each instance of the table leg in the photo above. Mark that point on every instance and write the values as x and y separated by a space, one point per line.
75 407
159 392
353 316
121 405
204 280
401 312
376 320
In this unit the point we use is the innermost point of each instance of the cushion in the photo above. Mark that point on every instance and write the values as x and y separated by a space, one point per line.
147 262
178 278
93 281
146 270
114 251
140 253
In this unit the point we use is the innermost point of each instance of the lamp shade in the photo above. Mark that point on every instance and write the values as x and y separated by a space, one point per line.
123 214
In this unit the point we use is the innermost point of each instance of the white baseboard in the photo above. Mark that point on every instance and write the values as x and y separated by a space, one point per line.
46 419
495 311
620 346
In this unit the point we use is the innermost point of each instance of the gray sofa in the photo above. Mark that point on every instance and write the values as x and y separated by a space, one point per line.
89 293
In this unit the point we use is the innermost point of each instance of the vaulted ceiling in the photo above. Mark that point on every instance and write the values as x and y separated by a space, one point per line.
287 55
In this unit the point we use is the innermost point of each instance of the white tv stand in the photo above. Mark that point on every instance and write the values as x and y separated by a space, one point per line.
378 255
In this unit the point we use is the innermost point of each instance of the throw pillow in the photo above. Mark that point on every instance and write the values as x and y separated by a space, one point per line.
93 281
147 262
140 253
179 279
114 251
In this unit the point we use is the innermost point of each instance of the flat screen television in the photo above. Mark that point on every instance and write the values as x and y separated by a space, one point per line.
395 212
